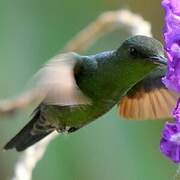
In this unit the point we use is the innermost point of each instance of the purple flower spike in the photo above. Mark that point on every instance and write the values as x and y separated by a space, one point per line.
170 142
172 43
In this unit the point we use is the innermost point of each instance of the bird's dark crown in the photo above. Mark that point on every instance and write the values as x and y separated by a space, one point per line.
141 47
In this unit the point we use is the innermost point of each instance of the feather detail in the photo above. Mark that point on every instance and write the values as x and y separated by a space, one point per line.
155 104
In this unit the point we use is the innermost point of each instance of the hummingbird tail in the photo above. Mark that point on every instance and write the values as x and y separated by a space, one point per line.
25 137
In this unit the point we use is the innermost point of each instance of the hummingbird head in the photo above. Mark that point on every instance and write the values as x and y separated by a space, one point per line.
137 57
143 50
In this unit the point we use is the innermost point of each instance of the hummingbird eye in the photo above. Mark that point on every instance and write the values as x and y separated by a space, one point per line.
133 51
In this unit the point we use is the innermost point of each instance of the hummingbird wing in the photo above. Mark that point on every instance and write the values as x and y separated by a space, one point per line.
148 99
56 83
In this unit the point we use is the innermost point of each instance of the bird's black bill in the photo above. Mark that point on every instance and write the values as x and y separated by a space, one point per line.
160 60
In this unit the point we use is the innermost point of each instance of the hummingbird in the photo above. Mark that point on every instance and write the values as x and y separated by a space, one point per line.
76 90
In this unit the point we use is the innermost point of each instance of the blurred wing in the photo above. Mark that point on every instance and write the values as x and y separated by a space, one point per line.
149 99
56 84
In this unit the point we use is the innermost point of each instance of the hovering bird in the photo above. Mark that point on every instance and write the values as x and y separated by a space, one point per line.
76 89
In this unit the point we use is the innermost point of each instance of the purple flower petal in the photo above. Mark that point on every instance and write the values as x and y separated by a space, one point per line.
172 43
176 111
170 142
170 150
169 130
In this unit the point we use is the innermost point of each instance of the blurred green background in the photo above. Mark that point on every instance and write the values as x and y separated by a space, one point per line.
32 31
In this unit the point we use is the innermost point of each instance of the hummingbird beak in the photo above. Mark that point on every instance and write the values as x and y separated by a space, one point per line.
160 60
